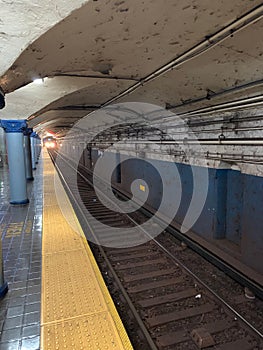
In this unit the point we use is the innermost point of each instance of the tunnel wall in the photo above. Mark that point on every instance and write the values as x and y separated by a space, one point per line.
232 212
207 223
252 221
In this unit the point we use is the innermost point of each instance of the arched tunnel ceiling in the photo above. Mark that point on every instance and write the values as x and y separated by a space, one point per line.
22 22
105 47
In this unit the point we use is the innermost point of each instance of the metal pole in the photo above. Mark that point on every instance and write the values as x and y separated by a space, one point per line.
33 150
3 284
28 157
38 146
2 151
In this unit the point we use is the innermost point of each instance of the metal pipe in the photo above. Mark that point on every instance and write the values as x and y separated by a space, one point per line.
244 103
94 76
217 94
241 23
205 142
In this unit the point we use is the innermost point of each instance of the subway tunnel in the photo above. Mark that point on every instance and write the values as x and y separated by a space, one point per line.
131 167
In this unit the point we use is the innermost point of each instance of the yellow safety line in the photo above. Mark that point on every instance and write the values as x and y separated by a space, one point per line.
77 311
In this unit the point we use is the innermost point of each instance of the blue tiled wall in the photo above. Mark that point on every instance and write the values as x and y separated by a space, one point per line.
233 208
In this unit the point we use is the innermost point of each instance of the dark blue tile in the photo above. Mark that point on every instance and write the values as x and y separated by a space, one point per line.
13 345
15 311
31 331
13 322
11 334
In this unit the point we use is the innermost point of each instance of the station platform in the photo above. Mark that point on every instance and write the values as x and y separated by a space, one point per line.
57 298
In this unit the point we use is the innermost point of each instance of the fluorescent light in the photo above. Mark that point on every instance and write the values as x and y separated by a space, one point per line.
38 81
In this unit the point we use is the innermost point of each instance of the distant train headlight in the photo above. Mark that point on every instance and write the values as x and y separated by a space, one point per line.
50 144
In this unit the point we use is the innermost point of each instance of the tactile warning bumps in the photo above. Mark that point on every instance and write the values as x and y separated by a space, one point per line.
62 238
77 311
70 291
89 332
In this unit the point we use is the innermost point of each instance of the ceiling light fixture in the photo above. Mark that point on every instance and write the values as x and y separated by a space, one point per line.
38 81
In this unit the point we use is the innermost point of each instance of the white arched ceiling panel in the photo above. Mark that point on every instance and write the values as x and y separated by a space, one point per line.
125 38
27 100
22 22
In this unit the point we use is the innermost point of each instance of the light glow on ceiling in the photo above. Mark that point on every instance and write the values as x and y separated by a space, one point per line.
38 81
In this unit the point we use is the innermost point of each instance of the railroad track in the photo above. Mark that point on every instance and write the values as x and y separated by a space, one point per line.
173 307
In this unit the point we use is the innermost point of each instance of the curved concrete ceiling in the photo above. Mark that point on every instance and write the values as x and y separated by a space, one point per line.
25 101
22 22
105 50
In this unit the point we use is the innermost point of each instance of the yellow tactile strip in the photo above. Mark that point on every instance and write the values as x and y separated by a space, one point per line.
77 311
89 332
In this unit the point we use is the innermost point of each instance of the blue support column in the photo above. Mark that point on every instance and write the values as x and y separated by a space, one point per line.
28 157
16 160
